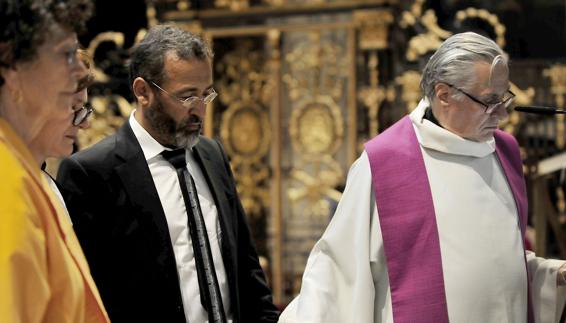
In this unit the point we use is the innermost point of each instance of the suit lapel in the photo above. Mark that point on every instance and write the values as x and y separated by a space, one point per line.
140 188
217 187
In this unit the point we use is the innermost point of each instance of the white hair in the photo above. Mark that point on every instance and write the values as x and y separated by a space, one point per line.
455 60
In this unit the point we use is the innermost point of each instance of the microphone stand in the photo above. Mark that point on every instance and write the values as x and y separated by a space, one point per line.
540 110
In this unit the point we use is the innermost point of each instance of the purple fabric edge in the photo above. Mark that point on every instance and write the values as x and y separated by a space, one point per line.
408 225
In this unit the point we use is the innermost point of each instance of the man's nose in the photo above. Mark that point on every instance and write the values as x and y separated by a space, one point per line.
199 109
501 112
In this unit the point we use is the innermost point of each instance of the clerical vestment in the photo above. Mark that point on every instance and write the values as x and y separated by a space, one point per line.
44 276
480 240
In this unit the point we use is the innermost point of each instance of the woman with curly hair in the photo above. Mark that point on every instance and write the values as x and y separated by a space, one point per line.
44 276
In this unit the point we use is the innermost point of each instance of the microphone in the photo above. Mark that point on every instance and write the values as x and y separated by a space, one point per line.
540 110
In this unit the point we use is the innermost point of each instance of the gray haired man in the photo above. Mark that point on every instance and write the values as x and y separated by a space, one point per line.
431 224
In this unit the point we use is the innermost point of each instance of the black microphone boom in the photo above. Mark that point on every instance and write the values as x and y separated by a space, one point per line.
540 110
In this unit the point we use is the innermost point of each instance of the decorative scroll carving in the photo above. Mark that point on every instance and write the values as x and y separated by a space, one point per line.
245 129
105 121
410 84
557 76
113 37
374 28
315 82
318 179
372 96
485 15
373 36
523 97
424 42
235 5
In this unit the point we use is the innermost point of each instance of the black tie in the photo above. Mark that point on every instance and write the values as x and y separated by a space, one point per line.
210 296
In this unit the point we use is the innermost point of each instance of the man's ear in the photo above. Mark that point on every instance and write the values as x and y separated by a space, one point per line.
442 93
142 92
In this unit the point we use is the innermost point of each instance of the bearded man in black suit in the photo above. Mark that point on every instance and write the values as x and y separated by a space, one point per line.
133 207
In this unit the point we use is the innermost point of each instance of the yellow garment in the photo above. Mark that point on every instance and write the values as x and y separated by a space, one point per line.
44 276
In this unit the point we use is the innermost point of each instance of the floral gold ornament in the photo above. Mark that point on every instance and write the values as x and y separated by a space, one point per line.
245 128
316 127
317 181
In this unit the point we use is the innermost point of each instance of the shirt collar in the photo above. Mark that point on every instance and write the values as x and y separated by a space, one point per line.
432 136
150 147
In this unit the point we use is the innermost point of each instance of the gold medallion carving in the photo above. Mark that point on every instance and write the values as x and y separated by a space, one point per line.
315 82
316 127
245 88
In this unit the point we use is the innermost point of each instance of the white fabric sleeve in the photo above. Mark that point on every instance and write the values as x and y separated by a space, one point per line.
338 285
548 298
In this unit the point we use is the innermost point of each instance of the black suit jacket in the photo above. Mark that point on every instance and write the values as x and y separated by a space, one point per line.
120 223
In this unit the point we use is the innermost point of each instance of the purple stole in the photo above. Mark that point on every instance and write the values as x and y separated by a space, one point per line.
408 220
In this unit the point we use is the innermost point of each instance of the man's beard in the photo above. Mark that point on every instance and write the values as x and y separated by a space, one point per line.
171 134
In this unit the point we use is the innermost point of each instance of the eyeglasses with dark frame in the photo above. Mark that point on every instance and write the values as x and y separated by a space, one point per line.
489 108
191 101
82 114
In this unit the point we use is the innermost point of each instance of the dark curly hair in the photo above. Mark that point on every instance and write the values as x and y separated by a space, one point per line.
24 25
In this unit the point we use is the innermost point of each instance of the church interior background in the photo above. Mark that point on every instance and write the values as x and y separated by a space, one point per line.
304 83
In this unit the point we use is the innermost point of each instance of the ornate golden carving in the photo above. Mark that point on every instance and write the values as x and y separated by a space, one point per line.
151 14
114 37
183 5
105 121
316 127
557 75
245 129
374 28
235 5
315 81
410 84
372 96
246 132
523 97
485 15
316 67
318 179
424 42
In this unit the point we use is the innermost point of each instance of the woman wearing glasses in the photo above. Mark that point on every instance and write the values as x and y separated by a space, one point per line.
44 276
65 130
